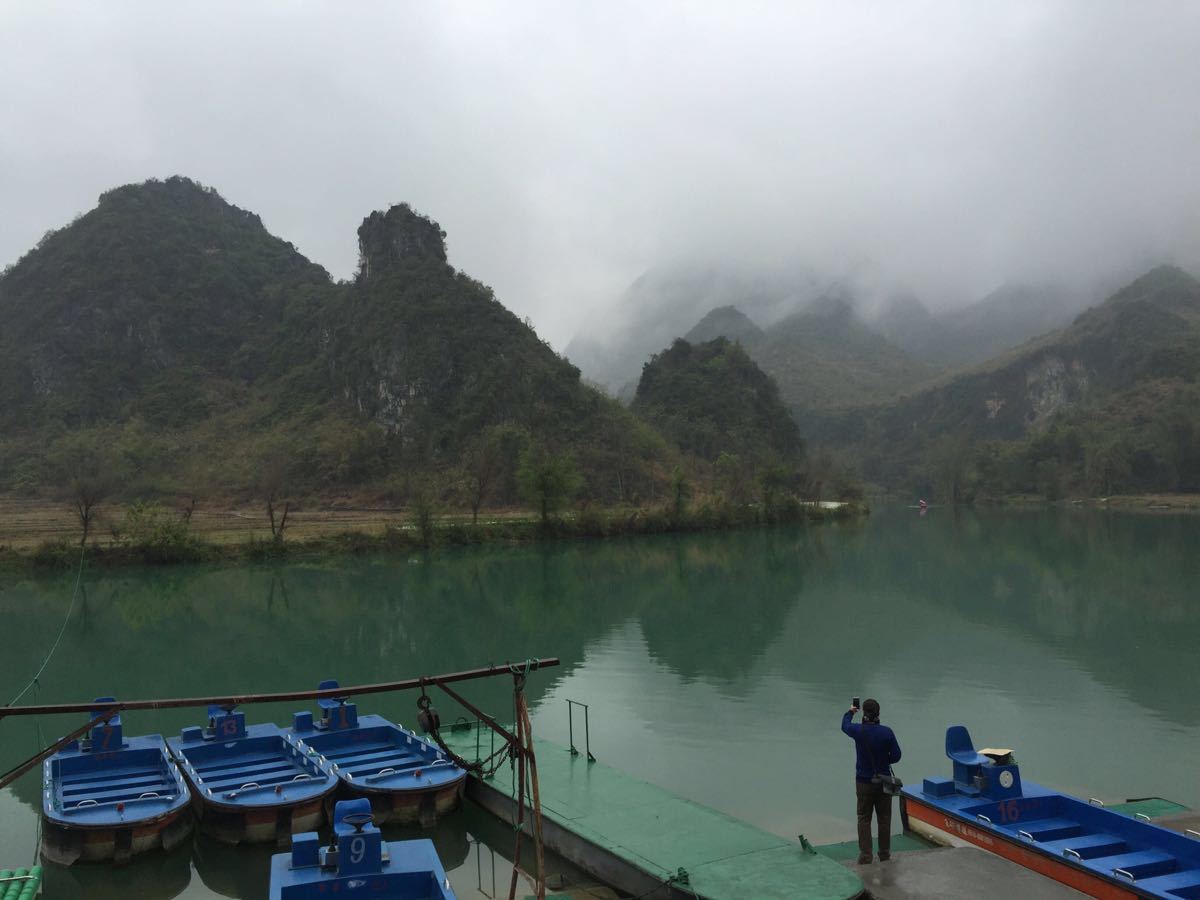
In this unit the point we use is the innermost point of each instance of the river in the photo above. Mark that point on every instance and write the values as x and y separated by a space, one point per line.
716 665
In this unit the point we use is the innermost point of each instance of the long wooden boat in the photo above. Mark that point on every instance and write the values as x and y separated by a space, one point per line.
109 797
250 784
1079 843
359 862
407 779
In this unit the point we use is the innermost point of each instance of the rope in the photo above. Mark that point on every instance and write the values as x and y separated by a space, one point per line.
61 631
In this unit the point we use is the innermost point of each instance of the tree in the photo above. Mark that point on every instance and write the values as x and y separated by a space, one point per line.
482 465
547 480
88 473
273 483
681 492
774 481
731 477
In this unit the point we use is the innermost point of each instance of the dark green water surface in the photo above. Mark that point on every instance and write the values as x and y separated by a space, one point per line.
717 666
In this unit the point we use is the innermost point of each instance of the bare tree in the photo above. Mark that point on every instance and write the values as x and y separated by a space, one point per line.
482 463
273 484
88 473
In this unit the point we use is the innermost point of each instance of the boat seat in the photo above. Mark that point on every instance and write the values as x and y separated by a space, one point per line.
1184 884
961 749
329 702
1142 864
1088 846
1052 829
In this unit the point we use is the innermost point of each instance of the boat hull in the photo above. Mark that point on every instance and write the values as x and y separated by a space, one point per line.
948 829
259 825
67 845
417 807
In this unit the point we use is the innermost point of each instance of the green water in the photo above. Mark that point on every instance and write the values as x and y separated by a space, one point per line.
717 666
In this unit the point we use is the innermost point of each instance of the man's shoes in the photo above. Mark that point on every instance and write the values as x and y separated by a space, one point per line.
864 859
884 857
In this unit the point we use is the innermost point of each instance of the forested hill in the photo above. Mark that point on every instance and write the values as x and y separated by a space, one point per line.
1108 404
711 399
150 306
167 338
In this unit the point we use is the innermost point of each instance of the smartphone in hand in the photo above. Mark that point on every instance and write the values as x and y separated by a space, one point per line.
855 704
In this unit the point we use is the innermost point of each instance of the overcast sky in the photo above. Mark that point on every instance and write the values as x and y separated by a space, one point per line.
567 146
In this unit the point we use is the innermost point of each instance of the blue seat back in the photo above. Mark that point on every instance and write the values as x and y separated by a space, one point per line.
961 750
328 702
336 712
106 736
226 724
958 742
360 849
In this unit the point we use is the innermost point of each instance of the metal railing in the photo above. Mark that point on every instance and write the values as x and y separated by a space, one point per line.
587 741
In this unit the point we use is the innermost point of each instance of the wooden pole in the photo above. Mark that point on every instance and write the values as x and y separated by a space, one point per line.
287 696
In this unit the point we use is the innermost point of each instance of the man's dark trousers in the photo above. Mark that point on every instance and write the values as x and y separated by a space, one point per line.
872 798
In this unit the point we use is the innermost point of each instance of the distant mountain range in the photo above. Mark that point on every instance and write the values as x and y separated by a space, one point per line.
1108 404
796 307
988 392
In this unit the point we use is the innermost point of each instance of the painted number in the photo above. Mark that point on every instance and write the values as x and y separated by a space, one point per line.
105 736
344 722
358 849
229 727
1009 812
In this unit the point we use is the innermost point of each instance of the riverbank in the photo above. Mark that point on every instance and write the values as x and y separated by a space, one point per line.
36 532
1149 503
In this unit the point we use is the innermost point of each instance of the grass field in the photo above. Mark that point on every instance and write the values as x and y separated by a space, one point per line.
26 523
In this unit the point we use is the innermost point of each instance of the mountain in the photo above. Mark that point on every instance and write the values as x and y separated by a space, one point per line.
825 357
710 398
969 335
171 332
1107 403
907 323
1005 318
151 305
665 302
725 321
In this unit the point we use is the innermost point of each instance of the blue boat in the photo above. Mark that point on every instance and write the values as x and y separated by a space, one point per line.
407 778
251 784
1092 849
109 797
359 863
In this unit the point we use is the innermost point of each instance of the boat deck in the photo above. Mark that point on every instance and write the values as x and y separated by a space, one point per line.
261 768
376 755
636 836
86 789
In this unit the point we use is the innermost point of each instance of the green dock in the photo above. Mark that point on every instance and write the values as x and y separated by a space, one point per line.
648 842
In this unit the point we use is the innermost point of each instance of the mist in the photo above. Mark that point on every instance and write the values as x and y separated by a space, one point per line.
938 148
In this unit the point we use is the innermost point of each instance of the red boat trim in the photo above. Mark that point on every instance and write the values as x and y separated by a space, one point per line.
1022 854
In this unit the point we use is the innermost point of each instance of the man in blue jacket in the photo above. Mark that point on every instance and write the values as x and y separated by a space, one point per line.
876 749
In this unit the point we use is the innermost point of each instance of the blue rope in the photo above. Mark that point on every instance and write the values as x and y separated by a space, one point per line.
61 631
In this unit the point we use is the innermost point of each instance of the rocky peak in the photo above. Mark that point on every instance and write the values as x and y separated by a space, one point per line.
399 236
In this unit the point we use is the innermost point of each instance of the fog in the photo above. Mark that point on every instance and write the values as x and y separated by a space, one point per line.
944 148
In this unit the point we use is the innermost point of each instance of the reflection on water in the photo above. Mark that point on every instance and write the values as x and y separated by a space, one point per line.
717 665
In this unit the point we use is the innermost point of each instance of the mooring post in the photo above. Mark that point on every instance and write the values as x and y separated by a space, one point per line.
571 726
587 735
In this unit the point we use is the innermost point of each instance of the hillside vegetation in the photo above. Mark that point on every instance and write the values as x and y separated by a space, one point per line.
710 398
165 343
1106 405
